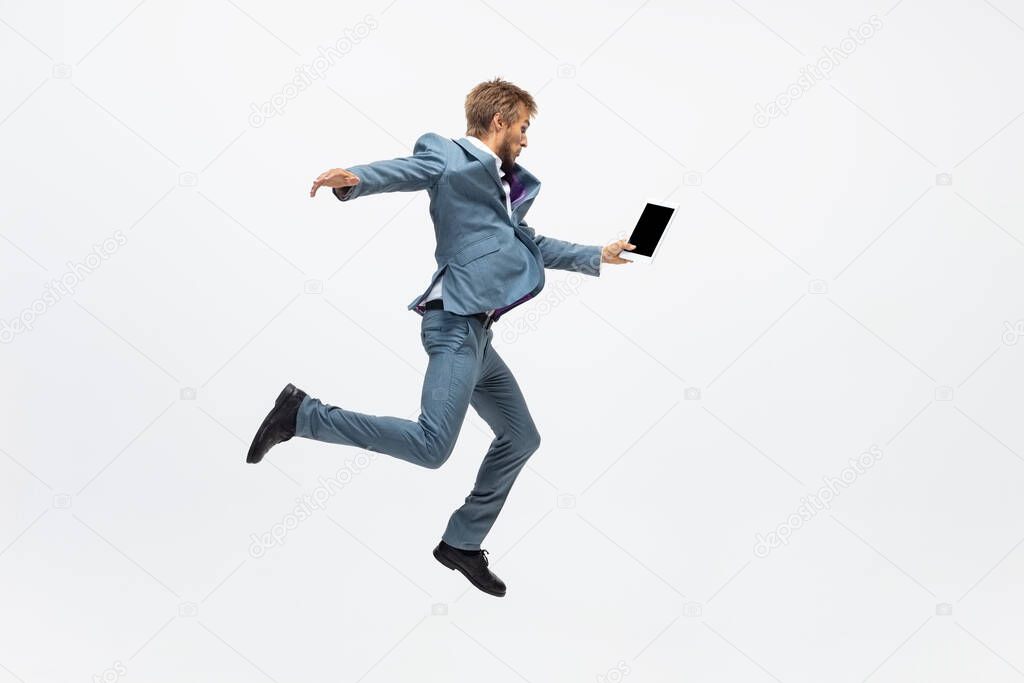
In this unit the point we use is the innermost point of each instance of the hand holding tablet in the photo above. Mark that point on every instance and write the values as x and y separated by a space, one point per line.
650 228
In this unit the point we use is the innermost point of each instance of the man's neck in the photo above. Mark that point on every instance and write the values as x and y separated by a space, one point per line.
489 141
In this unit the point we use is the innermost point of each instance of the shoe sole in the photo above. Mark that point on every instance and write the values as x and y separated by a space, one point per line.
250 456
454 567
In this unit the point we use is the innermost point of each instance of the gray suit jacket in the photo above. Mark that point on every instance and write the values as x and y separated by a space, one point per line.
489 259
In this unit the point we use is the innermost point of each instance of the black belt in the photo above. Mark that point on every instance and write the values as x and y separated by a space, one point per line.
484 319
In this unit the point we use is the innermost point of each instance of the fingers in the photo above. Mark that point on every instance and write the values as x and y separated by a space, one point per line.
318 182
617 260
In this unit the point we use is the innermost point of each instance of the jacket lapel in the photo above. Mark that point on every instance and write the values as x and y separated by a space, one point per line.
530 183
483 158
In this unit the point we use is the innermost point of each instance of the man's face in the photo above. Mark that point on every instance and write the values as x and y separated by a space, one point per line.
512 139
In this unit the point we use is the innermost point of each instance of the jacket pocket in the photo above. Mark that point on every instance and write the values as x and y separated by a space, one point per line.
477 249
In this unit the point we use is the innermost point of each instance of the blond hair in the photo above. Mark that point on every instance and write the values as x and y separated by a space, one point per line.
495 96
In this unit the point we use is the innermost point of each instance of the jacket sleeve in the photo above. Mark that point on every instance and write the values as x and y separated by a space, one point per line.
562 255
403 174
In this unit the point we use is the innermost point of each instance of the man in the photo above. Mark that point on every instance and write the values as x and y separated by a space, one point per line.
489 261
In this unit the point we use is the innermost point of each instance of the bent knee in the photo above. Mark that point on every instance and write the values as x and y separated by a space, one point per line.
529 440
435 456
434 462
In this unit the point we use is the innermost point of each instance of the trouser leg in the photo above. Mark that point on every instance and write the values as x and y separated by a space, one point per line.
499 401
447 388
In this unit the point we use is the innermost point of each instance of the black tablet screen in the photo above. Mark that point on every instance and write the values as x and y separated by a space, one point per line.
649 229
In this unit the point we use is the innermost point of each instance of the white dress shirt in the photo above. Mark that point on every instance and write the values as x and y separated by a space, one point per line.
435 292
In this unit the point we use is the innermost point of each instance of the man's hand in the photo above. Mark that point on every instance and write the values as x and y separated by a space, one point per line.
610 253
336 177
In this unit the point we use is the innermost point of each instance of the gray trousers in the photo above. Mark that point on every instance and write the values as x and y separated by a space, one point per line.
463 370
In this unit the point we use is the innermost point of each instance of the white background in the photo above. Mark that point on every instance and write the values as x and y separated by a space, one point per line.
825 289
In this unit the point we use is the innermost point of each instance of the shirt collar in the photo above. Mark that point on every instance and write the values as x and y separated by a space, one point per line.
480 143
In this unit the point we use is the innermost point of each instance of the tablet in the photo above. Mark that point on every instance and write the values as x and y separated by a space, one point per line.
649 231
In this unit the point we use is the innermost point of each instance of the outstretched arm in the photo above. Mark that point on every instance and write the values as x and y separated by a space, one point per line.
403 174
586 259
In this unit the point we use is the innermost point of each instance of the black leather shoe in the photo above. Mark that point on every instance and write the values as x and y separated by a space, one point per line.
278 425
473 565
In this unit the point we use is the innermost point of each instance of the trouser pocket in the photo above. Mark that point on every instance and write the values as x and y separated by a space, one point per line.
442 331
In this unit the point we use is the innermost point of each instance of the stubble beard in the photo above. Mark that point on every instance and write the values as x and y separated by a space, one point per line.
508 159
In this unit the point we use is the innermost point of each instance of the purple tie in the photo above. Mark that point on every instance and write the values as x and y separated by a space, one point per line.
515 187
